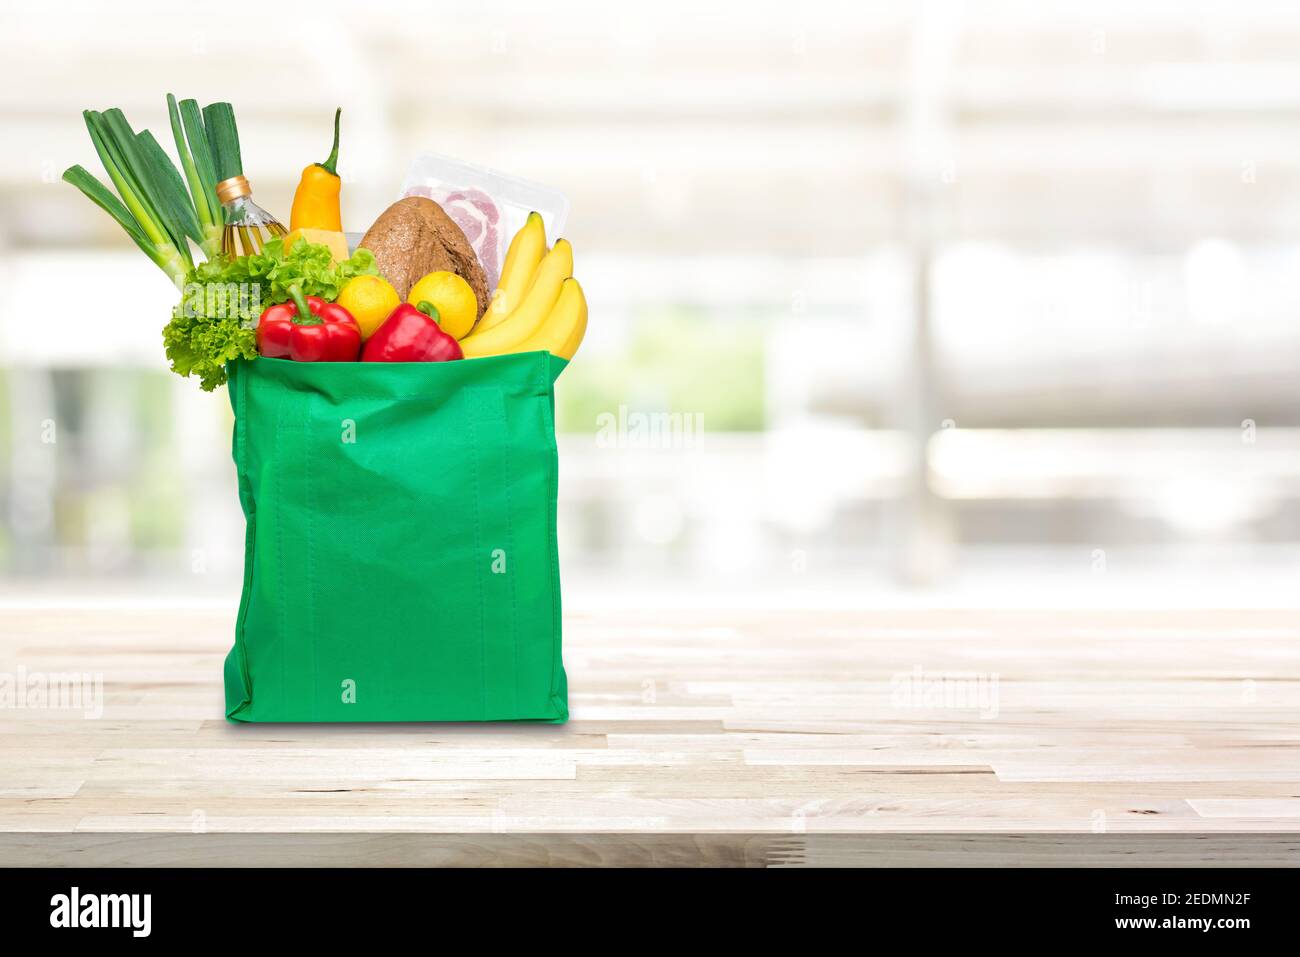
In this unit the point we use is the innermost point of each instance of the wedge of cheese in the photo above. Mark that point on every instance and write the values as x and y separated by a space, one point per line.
336 241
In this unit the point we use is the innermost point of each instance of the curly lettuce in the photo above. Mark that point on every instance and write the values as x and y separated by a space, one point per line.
308 266
216 319
199 346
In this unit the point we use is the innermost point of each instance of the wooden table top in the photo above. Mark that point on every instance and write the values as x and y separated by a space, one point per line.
902 737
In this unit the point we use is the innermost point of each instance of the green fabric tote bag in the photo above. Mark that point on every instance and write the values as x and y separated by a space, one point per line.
400 561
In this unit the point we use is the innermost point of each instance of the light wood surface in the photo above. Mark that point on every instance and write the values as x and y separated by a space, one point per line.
696 737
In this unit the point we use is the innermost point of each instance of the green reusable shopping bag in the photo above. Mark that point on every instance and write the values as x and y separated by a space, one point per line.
400 562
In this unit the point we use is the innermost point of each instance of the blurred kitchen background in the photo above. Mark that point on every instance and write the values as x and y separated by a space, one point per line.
932 303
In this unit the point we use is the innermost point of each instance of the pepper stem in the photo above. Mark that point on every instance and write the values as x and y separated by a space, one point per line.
331 162
430 310
305 316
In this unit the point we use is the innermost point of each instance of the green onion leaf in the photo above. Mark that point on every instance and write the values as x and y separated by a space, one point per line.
102 196
160 184
197 137
197 192
139 161
120 175
169 185
223 140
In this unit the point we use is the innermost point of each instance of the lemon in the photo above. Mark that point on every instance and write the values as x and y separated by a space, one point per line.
370 299
456 302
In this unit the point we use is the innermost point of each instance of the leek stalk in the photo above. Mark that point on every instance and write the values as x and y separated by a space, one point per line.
192 148
162 208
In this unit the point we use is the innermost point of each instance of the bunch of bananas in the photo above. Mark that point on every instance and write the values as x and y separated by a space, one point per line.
537 305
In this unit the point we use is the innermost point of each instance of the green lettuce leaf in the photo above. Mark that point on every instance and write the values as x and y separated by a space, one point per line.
202 347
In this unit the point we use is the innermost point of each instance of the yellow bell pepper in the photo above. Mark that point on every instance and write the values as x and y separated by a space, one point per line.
316 201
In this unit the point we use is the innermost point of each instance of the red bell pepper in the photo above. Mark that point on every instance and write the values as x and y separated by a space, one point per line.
308 329
411 334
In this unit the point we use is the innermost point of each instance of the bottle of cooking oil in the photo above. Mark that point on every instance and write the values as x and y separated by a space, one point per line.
248 226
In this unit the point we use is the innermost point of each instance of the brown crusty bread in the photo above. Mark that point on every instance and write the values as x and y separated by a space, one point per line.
413 238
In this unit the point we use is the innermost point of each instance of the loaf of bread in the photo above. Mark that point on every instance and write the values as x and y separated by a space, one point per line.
413 238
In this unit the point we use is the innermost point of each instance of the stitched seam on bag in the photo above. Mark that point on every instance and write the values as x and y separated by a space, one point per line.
279 543
310 623
552 508
478 551
250 548
510 570
250 537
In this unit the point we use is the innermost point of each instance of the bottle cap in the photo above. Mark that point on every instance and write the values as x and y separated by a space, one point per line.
233 188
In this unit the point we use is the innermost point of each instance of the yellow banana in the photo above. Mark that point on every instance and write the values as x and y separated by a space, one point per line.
525 252
528 317
562 332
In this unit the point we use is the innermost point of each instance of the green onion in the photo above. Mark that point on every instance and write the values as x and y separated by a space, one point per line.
160 207
197 135
120 174
223 140
157 178
170 185
158 244
197 163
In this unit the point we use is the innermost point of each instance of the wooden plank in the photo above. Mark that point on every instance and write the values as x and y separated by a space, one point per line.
700 737
135 849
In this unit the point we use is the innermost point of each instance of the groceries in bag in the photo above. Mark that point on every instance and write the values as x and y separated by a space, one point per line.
458 268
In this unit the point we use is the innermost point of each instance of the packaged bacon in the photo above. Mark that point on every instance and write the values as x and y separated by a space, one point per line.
490 207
